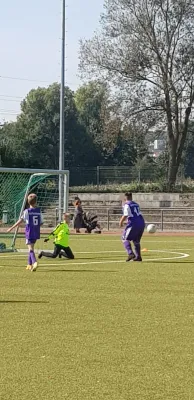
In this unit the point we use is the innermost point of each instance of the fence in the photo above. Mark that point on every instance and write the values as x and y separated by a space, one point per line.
100 175
165 219
170 219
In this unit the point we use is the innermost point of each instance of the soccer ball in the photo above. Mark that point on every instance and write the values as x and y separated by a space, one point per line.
151 228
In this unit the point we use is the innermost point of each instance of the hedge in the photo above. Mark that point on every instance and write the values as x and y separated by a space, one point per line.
148 187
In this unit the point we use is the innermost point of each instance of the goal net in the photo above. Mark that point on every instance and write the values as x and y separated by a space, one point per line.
15 186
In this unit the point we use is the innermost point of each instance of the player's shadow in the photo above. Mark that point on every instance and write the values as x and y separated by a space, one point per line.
23 301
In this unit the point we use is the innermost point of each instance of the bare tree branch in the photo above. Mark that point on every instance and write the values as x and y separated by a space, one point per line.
146 50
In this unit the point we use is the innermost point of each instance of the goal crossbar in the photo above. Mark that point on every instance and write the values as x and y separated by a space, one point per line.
35 171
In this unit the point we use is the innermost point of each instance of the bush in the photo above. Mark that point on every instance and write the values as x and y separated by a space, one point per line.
142 187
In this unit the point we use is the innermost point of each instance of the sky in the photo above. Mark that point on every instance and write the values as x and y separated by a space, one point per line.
30 46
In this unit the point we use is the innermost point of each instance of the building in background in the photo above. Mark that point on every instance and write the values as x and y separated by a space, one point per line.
157 147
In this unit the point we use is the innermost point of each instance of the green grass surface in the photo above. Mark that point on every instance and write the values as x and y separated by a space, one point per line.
97 327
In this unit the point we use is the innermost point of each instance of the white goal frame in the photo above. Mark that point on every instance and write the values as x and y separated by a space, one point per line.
64 174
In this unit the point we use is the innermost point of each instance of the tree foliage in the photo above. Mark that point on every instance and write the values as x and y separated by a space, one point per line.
96 132
189 152
103 122
33 141
146 50
7 144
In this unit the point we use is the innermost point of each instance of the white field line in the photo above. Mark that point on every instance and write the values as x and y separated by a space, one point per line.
25 251
176 257
180 255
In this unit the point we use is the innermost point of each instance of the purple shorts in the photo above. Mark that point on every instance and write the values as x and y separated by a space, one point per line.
30 241
133 233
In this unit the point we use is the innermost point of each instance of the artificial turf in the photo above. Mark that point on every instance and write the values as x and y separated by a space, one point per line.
97 327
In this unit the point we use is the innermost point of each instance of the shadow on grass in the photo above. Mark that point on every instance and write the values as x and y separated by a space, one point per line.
181 262
23 301
100 258
76 270
63 261
168 262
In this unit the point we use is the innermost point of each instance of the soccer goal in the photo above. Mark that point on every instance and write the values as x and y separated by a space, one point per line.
15 186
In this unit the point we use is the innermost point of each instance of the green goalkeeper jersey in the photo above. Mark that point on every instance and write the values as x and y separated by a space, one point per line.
61 234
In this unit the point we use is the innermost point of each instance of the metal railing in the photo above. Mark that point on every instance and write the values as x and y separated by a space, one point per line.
103 175
175 219
165 219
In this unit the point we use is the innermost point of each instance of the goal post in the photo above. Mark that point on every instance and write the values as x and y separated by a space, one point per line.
15 185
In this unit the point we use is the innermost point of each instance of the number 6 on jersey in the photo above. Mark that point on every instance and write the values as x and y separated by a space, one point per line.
35 220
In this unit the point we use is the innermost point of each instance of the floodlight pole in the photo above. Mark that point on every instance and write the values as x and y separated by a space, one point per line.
62 116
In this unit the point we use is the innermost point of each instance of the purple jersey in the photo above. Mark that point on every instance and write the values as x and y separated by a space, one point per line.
33 220
131 210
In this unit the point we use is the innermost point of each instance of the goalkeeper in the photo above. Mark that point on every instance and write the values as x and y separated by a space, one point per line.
61 235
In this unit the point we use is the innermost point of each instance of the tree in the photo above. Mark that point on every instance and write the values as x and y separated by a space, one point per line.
38 127
35 142
94 108
189 152
162 163
91 101
7 149
101 118
146 49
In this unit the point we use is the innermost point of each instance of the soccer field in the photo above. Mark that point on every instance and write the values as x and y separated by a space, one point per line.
98 327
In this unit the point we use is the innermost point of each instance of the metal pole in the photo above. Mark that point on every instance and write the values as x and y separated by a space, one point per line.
62 119
139 175
108 219
56 216
98 176
162 220
66 193
22 209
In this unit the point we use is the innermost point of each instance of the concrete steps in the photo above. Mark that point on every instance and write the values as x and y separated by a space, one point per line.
171 211
146 200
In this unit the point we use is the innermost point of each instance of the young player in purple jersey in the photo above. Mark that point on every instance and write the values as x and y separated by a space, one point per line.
134 228
33 220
